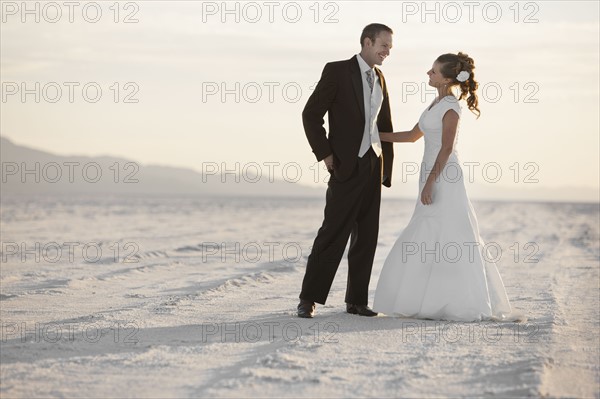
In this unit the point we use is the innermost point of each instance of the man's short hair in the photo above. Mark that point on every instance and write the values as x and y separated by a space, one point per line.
372 31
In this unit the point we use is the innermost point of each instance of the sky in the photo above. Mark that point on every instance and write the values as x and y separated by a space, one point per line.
191 83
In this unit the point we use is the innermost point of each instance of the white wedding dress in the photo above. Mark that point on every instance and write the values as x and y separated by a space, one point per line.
437 269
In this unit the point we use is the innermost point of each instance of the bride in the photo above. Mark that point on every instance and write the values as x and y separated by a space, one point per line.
438 268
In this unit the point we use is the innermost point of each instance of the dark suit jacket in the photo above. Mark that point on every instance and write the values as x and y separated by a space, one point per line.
339 93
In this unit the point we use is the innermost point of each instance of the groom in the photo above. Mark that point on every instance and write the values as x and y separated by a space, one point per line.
354 95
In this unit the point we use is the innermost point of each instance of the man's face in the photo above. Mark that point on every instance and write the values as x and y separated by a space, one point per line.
376 52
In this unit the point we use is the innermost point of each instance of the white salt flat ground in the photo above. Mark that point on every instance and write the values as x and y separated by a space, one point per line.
186 318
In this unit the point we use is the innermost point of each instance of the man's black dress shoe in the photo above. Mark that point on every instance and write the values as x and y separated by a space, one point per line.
361 310
306 309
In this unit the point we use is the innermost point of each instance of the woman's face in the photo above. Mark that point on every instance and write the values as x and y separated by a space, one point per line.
435 76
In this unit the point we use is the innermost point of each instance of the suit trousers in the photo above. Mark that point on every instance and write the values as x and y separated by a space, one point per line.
351 210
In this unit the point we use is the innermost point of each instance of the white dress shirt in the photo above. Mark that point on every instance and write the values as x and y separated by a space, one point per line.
372 101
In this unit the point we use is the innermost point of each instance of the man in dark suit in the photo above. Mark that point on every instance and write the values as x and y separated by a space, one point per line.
354 95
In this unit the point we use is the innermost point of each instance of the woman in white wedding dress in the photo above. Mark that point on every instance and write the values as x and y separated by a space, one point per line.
438 267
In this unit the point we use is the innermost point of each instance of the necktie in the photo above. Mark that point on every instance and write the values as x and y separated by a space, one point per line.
370 78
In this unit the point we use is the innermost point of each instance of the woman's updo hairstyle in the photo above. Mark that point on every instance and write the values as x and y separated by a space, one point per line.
451 66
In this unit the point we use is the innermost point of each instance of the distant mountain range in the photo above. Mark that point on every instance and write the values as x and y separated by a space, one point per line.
29 171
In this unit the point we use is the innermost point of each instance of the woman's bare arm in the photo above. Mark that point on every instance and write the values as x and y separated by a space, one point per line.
402 137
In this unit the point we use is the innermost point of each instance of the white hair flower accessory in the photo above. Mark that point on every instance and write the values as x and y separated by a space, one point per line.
463 76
